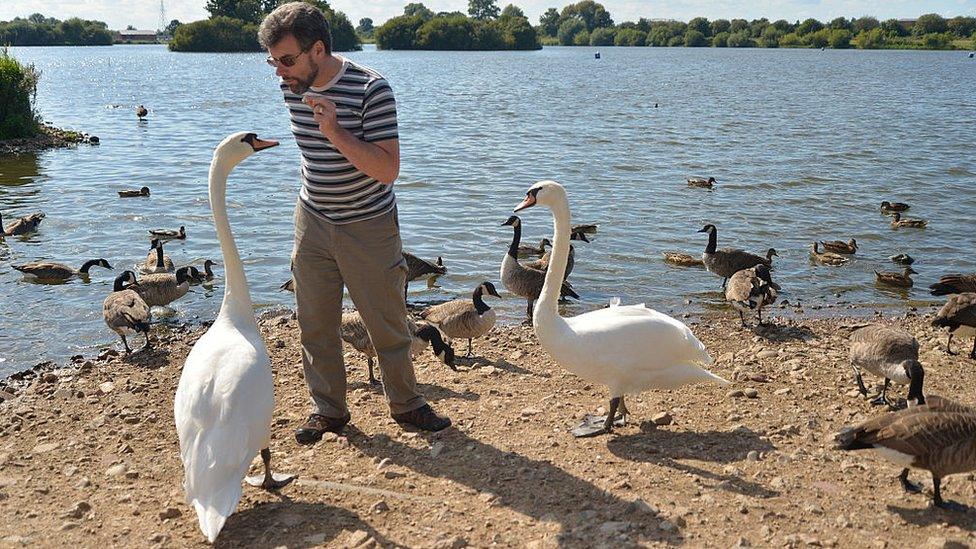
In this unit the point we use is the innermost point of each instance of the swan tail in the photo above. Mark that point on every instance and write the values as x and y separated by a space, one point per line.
709 376
211 520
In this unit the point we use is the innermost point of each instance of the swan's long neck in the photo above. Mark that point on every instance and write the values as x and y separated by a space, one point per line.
712 241
237 298
547 308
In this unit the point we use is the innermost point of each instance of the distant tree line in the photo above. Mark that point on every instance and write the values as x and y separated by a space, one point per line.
38 30
484 27
588 23
233 26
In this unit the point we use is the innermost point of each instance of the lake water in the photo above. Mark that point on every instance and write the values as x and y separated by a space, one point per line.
804 144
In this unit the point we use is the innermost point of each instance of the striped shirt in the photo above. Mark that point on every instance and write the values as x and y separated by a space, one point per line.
331 185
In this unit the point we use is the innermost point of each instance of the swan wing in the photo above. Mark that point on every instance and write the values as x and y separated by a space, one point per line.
222 410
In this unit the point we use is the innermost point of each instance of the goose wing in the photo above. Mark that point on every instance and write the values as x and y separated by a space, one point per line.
954 284
740 287
44 269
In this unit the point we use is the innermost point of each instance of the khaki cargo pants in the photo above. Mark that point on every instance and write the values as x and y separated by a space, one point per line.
366 257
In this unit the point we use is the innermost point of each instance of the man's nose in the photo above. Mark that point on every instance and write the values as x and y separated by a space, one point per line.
280 70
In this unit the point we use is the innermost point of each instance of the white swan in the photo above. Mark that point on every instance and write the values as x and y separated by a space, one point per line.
629 349
225 399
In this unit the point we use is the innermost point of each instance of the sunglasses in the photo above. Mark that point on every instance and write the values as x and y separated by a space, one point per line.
287 60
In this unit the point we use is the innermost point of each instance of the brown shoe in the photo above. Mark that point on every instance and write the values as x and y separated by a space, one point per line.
317 425
422 419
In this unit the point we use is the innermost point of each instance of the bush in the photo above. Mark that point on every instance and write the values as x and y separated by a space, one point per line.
398 33
695 39
446 33
518 33
488 36
740 39
791 40
602 36
840 39
568 30
721 40
48 31
930 23
659 36
582 38
629 37
937 41
818 39
770 37
873 39
218 34
18 89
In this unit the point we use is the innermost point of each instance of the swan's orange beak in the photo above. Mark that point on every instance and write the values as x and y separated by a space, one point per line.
261 144
527 203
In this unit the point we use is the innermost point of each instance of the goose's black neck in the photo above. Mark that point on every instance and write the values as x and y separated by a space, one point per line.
479 302
712 241
88 265
516 238
159 255
916 376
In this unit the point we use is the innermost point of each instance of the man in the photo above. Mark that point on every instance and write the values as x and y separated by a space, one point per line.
343 116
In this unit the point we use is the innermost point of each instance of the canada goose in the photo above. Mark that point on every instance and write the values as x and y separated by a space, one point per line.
701 182
161 289
543 263
826 258
959 316
937 436
728 261
954 284
225 398
898 223
527 250
902 259
130 193
683 260
464 318
166 234
890 207
902 279
588 228
521 280
751 289
421 268
156 260
57 271
208 273
353 331
890 353
22 225
288 285
840 247
124 310
141 111
629 349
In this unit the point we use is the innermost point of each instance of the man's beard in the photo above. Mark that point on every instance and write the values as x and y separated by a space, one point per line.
301 86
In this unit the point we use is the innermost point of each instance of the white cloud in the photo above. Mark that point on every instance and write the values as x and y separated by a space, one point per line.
145 13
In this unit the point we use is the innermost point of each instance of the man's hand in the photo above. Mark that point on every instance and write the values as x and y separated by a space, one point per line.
324 112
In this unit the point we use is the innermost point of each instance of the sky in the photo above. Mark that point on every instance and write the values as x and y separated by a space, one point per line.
144 14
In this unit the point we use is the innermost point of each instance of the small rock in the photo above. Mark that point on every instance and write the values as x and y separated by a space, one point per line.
662 418
359 538
767 354
783 391
735 393
379 507
44 447
751 393
279 344
384 463
667 526
639 506
116 470
49 377
752 455
726 357
612 528
530 411
170 513
78 511
517 355
105 388
436 449
68 526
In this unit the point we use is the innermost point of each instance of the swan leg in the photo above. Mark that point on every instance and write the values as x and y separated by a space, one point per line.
949 346
908 485
883 397
269 481
592 426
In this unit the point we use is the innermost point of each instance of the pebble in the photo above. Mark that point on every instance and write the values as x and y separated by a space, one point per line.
68 526
639 506
170 513
751 393
735 393
384 463
106 387
752 455
612 528
667 526
530 411
49 377
44 447
436 449
116 470
662 418
78 511
769 353
379 507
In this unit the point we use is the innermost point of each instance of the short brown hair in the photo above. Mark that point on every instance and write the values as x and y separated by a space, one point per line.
304 21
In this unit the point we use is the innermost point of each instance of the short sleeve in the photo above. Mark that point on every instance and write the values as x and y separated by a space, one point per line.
379 112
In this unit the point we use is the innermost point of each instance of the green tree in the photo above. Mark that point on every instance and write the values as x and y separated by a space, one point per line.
770 37
818 39
790 40
602 36
719 25
417 9
872 39
629 37
248 11
483 9
549 22
937 41
840 39
592 14
721 40
737 25
892 27
839 23
582 38
344 36
398 33
568 29
220 34
757 26
740 39
782 25
929 23
865 23
961 26
365 27
808 26
488 36
171 28
659 36
695 38
701 25
517 32
512 10
446 33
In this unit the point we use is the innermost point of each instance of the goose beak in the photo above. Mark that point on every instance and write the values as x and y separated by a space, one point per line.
527 203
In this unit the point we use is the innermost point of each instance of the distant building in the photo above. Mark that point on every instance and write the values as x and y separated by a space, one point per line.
135 36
